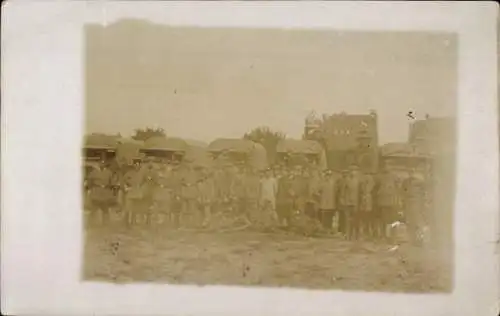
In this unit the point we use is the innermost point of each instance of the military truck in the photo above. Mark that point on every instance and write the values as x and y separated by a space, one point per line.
304 153
99 147
400 158
238 152
348 139
164 149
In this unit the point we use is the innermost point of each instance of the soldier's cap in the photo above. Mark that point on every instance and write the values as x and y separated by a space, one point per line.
327 171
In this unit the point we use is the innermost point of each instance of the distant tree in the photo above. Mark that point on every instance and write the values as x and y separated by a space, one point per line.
144 134
267 138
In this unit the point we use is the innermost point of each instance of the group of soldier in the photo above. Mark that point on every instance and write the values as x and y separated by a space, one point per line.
350 203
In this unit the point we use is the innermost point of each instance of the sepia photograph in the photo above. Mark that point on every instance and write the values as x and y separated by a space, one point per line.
242 158
269 157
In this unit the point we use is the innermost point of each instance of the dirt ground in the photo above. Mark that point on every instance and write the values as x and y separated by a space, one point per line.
250 258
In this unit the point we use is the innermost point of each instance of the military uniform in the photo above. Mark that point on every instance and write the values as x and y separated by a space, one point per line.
223 183
252 187
414 197
163 195
387 194
150 186
284 199
101 191
239 191
349 198
299 186
175 184
134 195
206 197
327 200
189 215
268 190
312 197
366 203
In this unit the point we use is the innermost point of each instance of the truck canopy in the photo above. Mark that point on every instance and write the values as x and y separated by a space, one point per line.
231 145
197 154
127 150
302 152
403 150
165 144
100 141
226 151
299 146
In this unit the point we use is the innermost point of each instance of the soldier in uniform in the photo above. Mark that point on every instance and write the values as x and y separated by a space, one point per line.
414 203
241 194
252 183
206 196
267 194
224 184
366 203
162 195
350 202
101 191
312 195
150 186
175 185
299 186
189 216
387 196
285 198
328 197
133 181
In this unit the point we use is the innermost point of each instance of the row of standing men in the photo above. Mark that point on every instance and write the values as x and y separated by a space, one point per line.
352 203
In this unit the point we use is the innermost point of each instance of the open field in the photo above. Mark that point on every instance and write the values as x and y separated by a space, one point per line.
257 259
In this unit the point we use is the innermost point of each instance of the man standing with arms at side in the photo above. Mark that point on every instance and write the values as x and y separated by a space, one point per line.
101 191
350 198
343 208
328 198
162 196
414 204
366 204
252 186
312 194
206 196
284 199
175 184
268 191
387 202
133 190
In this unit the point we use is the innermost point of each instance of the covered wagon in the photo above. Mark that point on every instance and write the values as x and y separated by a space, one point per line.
304 153
239 152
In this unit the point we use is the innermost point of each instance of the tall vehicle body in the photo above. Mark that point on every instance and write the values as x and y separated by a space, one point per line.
437 136
348 139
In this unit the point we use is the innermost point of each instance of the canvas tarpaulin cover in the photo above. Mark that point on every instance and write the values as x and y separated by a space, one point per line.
225 149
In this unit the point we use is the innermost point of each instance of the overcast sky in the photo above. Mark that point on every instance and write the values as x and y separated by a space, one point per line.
203 83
